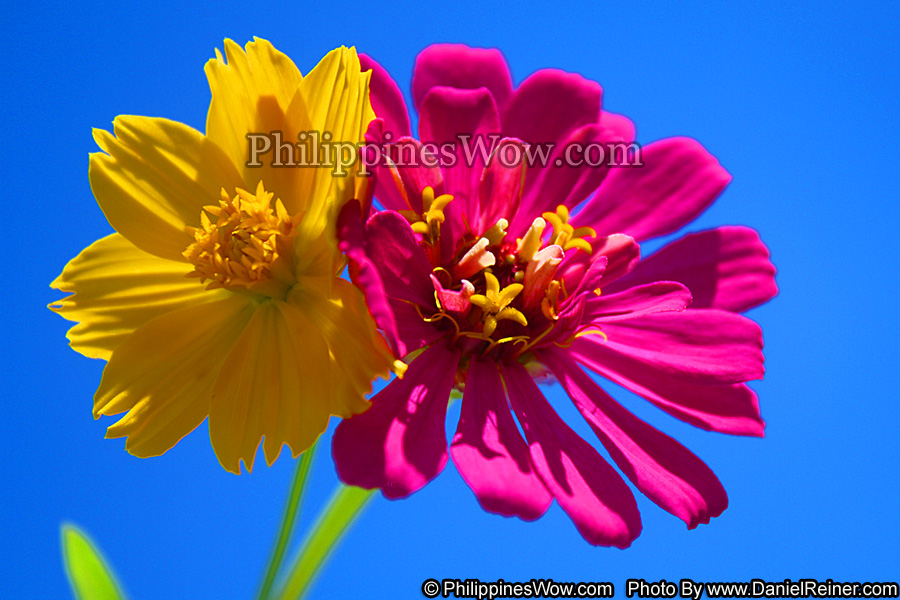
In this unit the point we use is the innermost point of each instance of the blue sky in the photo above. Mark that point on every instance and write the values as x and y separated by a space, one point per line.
799 104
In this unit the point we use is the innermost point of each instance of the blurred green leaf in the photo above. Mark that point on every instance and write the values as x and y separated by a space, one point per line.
88 574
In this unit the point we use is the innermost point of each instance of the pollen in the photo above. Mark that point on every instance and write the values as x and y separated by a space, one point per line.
244 241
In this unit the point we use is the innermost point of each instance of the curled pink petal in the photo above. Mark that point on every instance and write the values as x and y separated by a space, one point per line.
454 301
590 281
622 254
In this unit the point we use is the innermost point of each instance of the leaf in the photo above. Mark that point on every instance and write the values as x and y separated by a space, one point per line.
89 576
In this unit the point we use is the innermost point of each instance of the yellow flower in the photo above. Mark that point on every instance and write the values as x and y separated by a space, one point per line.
219 294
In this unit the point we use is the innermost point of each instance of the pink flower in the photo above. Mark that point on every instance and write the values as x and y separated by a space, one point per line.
480 274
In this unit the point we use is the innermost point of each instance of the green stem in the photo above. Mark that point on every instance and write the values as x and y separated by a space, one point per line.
291 510
342 509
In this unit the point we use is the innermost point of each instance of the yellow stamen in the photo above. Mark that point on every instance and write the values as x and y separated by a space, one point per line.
494 304
250 242
572 339
550 302
531 243
564 234
429 222
496 233
400 368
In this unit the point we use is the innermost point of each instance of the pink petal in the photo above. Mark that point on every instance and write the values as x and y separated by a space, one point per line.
399 444
570 320
586 487
413 178
392 245
560 183
455 301
387 99
413 331
678 181
550 104
699 346
370 156
647 299
732 409
459 66
489 452
622 254
727 268
385 182
446 114
590 281
664 470
547 107
621 125
499 190
366 277
388 188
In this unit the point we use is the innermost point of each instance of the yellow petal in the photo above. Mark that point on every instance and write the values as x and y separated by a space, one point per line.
315 261
251 92
164 372
154 179
336 96
358 351
274 384
117 288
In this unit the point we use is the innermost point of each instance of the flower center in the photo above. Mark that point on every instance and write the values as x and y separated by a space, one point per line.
496 290
244 242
